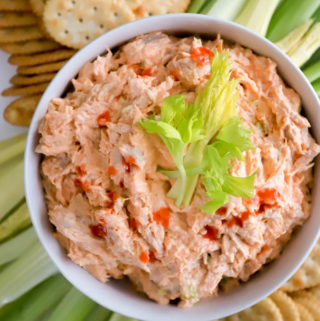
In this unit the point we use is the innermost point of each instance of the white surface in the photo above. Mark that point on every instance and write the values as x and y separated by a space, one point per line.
6 72
119 296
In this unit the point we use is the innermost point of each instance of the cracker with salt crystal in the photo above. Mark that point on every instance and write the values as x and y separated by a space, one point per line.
75 23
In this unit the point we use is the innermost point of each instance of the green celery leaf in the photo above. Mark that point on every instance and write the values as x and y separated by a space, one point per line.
227 150
239 186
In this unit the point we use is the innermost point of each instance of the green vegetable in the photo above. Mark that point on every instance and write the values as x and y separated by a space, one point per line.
306 46
223 9
14 247
119 317
316 86
313 71
17 221
187 129
195 6
11 148
74 307
34 304
289 15
11 185
257 14
99 313
290 41
29 270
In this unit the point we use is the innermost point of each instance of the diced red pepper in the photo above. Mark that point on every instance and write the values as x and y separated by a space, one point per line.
142 71
86 186
77 182
129 163
233 221
221 211
98 231
269 196
152 256
104 118
201 55
112 171
162 216
81 170
211 233
109 211
144 257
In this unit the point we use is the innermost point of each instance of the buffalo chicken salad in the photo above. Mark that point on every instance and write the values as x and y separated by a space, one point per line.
181 163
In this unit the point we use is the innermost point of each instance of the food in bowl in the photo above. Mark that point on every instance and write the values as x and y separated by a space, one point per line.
181 163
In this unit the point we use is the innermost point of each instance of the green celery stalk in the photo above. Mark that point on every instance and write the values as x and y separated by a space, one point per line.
289 15
195 6
119 317
35 303
306 46
26 272
74 307
99 313
11 185
313 71
17 221
257 14
11 148
16 246
290 41
316 86
224 9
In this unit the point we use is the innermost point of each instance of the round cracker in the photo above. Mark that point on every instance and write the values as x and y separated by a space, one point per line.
37 6
265 310
42 58
75 23
41 69
19 80
310 302
305 315
30 47
17 19
286 306
25 90
14 5
20 111
155 7
8 35
308 275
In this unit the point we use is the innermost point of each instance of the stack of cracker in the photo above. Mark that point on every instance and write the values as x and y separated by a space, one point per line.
36 56
297 300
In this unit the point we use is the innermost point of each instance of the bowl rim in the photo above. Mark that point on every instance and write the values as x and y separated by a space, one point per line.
151 311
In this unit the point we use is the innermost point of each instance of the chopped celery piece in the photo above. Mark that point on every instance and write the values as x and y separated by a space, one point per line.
119 317
195 6
17 221
313 71
16 246
316 86
11 185
224 9
12 147
291 40
99 313
26 272
257 14
289 15
74 307
306 46
34 304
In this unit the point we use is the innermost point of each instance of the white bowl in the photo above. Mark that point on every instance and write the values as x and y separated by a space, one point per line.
118 295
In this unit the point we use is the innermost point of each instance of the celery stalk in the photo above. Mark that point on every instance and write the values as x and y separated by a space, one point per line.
257 14
224 9
289 15
306 46
313 71
11 185
34 304
99 313
290 41
119 317
17 221
12 147
29 270
16 246
195 6
316 86
74 307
